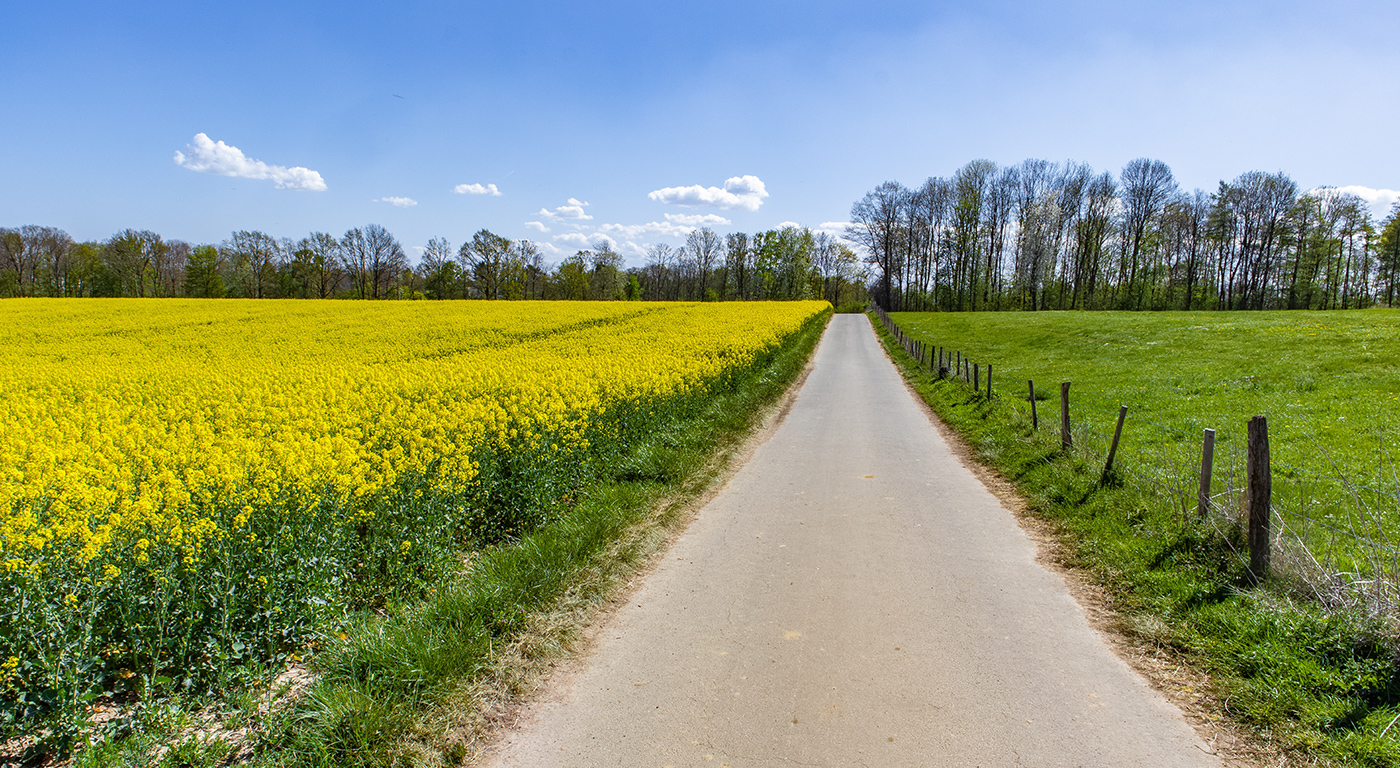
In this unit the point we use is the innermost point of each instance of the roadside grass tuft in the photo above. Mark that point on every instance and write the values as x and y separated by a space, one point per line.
1320 684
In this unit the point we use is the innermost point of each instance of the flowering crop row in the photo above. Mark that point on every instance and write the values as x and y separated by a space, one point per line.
186 485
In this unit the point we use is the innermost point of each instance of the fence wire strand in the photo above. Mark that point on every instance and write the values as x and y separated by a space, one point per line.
1329 528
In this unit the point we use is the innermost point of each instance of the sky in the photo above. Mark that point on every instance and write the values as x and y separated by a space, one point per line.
570 122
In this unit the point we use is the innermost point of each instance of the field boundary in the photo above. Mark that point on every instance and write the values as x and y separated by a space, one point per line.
1169 672
1293 539
538 589
1291 679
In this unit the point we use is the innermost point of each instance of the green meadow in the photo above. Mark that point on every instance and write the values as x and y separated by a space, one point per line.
1328 382
1308 663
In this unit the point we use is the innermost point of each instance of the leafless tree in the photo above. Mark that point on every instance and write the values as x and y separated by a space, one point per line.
876 225
1147 185
705 247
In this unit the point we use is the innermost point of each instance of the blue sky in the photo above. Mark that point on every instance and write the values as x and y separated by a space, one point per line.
804 105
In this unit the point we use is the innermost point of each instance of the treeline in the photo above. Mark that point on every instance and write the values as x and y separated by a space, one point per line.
1040 235
369 263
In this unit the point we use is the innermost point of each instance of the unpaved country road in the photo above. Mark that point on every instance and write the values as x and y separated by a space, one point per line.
854 597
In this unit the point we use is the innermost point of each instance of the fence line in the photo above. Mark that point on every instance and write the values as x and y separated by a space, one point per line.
1319 521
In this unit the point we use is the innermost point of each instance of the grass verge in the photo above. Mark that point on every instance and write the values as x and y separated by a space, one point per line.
1320 687
414 685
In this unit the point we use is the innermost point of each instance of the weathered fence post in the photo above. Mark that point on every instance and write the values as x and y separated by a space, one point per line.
989 381
976 387
1260 497
1207 460
1066 440
1035 417
1113 449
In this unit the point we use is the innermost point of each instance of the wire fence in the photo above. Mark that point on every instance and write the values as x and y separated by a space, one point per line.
1331 529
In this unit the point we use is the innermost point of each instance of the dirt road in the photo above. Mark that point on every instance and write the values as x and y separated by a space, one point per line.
854 596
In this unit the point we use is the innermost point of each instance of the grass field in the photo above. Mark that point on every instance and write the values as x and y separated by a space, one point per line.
193 493
1307 662
1329 383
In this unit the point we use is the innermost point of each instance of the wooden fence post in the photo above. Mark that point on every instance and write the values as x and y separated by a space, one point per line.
1066 440
1207 461
976 387
989 381
1260 497
1035 417
1113 449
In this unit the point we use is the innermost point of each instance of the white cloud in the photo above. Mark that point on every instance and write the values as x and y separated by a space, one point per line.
572 210
786 224
537 225
630 249
746 192
574 238
477 189
837 229
662 228
398 202
208 156
550 249
699 219
1380 199
585 239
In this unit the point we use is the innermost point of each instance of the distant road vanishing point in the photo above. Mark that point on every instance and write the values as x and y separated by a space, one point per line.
854 596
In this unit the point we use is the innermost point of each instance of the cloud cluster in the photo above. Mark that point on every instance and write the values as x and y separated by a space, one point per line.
660 228
574 238
1380 199
698 219
398 202
477 189
746 192
572 210
208 156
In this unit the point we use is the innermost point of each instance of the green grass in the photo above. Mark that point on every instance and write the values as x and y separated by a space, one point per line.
383 691
1329 383
1317 681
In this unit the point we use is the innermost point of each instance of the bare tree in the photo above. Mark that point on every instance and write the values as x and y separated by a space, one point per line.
323 263
254 257
704 246
1147 186
386 259
659 260
529 269
737 261
129 255
876 225
169 267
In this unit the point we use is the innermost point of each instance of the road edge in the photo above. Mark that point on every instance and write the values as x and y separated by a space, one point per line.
1184 686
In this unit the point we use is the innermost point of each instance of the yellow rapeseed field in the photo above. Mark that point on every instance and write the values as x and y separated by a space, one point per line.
148 444
130 417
